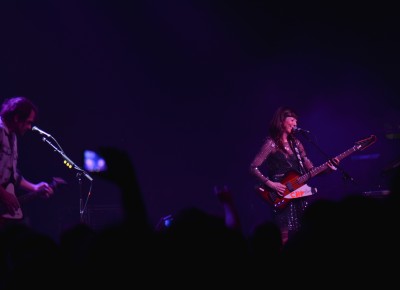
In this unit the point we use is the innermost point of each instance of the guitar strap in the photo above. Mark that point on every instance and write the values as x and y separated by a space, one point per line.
11 179
11 143
297 153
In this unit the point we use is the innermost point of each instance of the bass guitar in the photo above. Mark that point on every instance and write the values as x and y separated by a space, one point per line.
18 214
296 186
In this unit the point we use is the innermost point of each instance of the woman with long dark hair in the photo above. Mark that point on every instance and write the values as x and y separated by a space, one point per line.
281 157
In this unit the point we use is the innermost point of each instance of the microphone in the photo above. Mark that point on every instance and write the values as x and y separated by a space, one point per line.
297 129
41 132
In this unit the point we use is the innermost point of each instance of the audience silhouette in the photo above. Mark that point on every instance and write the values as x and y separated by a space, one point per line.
353 240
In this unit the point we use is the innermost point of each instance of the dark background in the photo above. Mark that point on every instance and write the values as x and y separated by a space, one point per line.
187 87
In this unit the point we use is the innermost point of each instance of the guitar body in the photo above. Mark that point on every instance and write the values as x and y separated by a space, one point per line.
295 183
294 189
18 214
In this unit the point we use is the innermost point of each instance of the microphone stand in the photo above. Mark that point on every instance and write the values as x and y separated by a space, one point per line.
345 175
80 173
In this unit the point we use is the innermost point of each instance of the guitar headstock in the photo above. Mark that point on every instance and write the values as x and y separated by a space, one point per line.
364 143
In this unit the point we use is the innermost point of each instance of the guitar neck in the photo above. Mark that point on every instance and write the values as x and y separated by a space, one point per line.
32 194
317 170
28 196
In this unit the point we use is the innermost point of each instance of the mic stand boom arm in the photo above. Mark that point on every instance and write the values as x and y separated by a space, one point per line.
67 160
71 164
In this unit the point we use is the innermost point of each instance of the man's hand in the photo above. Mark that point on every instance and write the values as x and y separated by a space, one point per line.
44 189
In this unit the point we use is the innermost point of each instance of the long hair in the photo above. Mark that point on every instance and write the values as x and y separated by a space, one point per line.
276 124
17 106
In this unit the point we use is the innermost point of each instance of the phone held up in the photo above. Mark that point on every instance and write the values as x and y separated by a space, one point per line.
93 161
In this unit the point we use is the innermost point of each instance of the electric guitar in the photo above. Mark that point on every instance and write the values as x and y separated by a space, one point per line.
25 198
296 186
